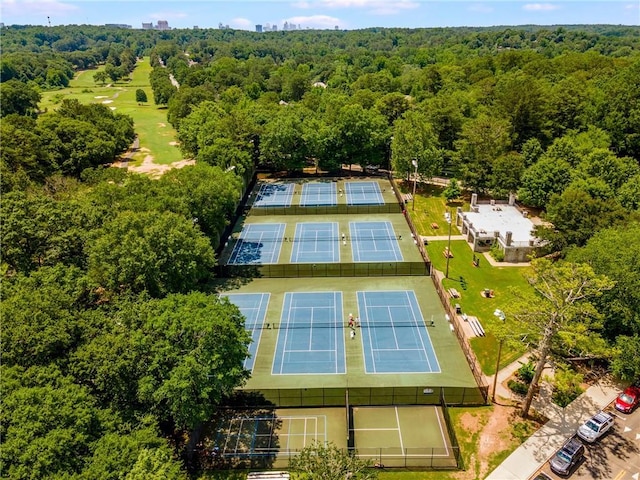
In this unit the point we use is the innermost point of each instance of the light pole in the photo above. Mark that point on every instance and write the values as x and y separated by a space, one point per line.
500 314
446 274
414 162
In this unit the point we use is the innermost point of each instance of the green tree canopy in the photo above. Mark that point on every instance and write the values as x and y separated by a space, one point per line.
159 252
18 97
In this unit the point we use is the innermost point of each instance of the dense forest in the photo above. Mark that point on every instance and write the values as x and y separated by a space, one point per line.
116 349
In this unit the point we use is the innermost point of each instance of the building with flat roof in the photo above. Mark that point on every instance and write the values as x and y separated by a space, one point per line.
499 223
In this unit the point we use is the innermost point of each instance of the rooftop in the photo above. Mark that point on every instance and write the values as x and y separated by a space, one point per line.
501 218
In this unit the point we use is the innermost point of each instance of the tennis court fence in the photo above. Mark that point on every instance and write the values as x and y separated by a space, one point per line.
454 318
368 396
340 209
295 270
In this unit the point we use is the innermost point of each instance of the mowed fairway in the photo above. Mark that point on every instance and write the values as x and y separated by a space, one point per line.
157 136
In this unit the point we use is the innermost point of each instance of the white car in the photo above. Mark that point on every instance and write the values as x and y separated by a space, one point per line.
595 427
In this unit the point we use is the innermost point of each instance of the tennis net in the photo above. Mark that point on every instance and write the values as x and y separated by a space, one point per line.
343 324
346 238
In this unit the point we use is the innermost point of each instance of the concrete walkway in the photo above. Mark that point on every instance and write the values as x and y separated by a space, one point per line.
563 422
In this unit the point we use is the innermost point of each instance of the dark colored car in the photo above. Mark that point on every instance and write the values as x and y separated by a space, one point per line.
567 457
628 400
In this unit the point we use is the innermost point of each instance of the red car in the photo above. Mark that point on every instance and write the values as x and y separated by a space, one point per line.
628 400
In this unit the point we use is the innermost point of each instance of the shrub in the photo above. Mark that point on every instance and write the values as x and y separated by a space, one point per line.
525 372
517 387
566 386
497 253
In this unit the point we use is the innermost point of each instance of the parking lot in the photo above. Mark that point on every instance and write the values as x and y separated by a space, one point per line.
616 456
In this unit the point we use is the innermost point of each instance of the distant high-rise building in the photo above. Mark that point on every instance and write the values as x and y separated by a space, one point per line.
117 25
274 28
259 28
337 27
285 27
267 27
147 26
163 25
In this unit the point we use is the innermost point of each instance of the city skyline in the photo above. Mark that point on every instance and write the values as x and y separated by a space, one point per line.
320 14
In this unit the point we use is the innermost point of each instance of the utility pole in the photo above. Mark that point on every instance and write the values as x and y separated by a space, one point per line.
414 162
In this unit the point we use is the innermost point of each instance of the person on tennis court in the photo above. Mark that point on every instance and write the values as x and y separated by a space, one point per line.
353 334
357 322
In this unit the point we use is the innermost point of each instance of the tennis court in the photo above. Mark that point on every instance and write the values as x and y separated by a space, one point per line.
281 432
274 195
394 335
318 194
363 193
398 434
374 242
316 242
254 308
258 243
310 335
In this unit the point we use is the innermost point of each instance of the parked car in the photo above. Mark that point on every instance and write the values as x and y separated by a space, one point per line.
628 400
595 427
571 453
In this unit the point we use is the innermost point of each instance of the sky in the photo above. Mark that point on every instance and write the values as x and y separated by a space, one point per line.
323 14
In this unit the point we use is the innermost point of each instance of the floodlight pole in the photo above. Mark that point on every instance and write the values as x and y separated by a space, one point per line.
500 314
446 275
414 162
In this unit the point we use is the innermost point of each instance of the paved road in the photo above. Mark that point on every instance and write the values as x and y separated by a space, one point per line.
614 457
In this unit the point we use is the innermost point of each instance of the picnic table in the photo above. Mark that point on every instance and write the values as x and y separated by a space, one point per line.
454 293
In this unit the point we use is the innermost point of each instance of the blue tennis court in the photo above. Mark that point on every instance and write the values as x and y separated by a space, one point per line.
374 242
259 243
254 308
318 194
311 335
274 195
363 193
316 242
394 335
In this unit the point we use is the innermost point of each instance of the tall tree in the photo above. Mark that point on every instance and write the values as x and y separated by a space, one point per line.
152 251
482 141
415 139
558 308
18 97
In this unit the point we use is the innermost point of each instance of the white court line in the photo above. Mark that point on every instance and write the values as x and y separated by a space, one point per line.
417 327
444 440
399 431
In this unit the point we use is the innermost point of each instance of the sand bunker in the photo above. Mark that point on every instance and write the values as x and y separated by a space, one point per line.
107 101
112 108
100 96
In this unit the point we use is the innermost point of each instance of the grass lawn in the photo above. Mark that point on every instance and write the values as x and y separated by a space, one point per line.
154 132
430 207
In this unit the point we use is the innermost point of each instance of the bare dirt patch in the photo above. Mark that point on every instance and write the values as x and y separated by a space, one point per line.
173 144
153 169
161 124
492 433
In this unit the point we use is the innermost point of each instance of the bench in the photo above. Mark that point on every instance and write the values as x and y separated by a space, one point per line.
407 197
435 226
476 326
447 253
454 293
